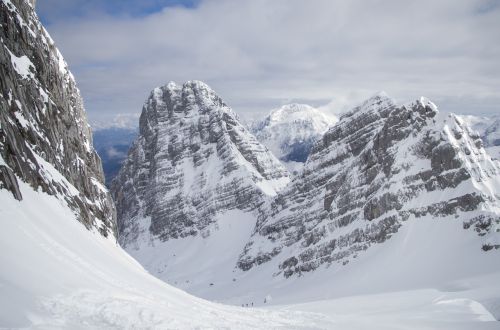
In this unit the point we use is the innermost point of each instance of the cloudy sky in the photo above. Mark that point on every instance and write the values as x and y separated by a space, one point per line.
260 54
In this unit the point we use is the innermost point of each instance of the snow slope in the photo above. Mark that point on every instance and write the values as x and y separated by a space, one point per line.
55 274
431 265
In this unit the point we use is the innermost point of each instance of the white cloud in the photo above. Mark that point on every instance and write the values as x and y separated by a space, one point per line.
259 54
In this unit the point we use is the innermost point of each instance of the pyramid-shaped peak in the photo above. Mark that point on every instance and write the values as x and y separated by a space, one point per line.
191 97
196 85
378 101
293 107
191 85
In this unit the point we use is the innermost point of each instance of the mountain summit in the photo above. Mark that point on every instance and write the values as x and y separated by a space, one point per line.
381 166
192 161
291 131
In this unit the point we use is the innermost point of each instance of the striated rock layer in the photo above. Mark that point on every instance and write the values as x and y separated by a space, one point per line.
382 164
44 136
192 160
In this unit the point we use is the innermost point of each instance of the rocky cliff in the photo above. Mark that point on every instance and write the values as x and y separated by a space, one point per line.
381 165
192 160
44 136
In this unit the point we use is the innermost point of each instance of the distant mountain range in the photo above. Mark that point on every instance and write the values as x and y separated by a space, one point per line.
291 131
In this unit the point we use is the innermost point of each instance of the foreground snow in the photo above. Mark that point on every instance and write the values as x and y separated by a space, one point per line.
56 274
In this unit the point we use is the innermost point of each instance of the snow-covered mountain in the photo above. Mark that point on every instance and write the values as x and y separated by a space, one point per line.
44 135
380 166
489 129
291 131
192 162
381 181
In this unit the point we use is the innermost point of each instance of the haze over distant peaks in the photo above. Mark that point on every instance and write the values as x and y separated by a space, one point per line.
291 131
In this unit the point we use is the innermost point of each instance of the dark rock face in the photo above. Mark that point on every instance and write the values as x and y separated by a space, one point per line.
379 166
192 160
44 136
8 181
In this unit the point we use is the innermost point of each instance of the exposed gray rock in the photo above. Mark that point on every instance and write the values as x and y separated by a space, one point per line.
8 181
379 166
191 161
44 136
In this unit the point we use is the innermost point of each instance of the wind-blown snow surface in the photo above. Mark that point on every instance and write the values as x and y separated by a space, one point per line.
56 274
291 131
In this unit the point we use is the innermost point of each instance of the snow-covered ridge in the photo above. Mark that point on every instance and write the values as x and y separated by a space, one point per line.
382 164
375 103
290 132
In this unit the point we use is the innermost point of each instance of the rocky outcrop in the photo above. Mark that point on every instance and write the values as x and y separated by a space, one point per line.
291 131
379 166
192 160
44 136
